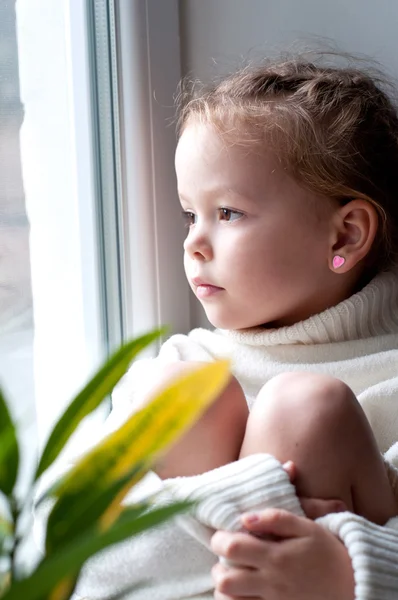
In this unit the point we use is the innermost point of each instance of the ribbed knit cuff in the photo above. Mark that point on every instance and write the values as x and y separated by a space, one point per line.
390 457
253 483
373 551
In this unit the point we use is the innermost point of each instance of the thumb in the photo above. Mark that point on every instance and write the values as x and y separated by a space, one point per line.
290 469
276 522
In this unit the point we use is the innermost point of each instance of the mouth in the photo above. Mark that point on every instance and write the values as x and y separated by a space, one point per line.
204 289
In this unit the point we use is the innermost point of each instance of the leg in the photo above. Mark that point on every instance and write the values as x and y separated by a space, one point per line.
214 440
316 421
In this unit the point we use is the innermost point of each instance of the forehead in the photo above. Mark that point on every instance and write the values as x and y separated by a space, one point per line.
205 160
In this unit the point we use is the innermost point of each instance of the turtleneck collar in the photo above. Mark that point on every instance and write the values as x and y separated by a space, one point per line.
369 313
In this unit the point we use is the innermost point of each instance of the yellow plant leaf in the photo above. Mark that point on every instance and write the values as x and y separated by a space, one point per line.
147 433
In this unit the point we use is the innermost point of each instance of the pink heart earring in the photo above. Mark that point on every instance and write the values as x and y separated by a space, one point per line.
338 261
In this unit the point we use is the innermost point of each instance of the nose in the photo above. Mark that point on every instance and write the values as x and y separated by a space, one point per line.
197 244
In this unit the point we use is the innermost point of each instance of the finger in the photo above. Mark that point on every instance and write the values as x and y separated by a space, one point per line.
315 507
241 549
277 522
236 581
290 469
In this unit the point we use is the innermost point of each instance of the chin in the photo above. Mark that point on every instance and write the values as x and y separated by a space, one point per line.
235 322
226 322
219 321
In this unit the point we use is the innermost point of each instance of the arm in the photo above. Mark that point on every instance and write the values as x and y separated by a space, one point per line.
174 561
223 494
294 558
364 566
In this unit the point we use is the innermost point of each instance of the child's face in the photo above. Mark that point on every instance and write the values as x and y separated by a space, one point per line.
259 241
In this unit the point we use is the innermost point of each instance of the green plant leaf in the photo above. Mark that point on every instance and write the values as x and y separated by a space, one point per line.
9 452
67 562
71 515
91 397
144 435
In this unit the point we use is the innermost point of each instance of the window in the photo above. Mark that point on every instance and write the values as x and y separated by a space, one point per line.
16 316
90 229
50 305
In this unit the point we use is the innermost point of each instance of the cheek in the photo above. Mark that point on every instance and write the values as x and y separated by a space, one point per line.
259 249
278 254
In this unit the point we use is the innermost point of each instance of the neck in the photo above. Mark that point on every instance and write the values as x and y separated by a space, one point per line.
341 287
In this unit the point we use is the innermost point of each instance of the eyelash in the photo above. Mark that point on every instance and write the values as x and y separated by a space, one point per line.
189 216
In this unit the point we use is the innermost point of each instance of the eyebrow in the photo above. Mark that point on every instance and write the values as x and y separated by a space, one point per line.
217 192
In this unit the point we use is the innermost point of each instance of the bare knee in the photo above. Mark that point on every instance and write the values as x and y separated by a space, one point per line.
309 401
300 386
228 415
309 419
229 407
316 421
214 440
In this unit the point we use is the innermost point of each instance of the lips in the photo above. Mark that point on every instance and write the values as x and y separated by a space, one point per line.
205 289
198 282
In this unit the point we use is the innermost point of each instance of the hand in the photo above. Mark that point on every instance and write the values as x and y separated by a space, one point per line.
305 562
315 507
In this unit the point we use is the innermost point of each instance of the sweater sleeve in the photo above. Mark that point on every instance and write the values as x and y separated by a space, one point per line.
373 551
263 483
391 462
180 549
224 494
174 561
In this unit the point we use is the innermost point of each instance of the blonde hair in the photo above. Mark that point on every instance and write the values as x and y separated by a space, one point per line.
334 130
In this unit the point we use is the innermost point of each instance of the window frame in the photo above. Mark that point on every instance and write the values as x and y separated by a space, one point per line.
135 57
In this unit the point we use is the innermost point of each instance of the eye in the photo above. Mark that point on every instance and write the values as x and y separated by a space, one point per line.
189 218
227 214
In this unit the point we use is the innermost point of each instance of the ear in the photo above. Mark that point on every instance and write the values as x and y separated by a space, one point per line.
354 229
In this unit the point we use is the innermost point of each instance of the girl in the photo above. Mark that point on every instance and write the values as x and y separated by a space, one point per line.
287 179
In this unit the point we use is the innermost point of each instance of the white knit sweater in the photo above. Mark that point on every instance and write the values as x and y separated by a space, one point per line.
355 341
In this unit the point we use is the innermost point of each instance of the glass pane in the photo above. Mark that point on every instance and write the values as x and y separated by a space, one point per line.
16 308
50 319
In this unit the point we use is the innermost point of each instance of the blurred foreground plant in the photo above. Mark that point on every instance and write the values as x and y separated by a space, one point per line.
87 515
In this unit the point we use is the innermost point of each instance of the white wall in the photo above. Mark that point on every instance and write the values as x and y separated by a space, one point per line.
217 35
